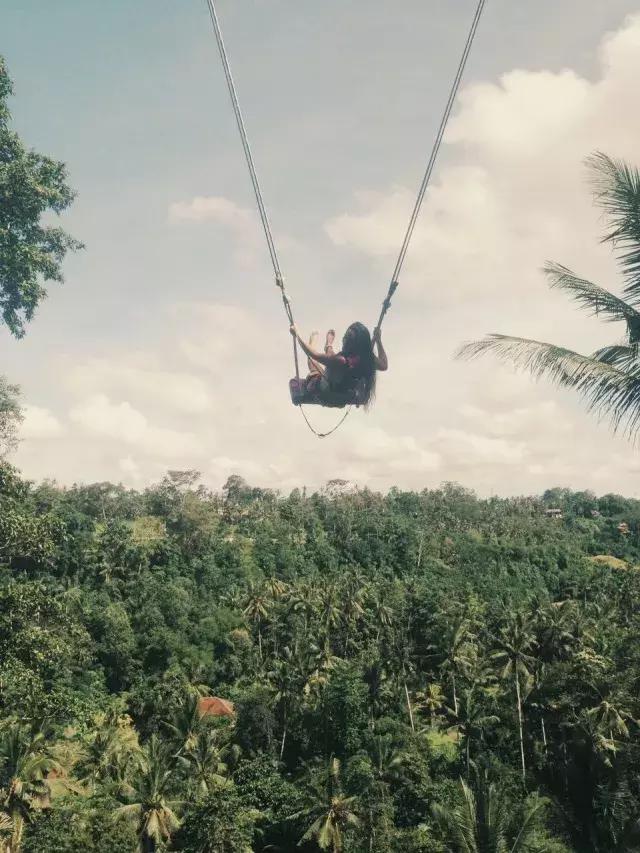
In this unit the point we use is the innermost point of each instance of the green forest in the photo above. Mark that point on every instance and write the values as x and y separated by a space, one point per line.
404 672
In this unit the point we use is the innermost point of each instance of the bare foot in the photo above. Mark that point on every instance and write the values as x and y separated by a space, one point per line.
331 336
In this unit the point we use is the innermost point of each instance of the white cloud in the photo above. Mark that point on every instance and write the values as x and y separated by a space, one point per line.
542 416
39 423
524 115
517 195
463 449
401 453
173 390
122 422
269 473
241 223
215 332
129 466
213 209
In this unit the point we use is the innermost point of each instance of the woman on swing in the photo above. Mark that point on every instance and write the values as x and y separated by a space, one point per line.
349 374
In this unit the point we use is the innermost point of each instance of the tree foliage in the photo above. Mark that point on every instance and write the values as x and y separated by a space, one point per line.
405 670
609 378
31 252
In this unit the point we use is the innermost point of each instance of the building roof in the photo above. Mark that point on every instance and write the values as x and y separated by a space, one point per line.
213 706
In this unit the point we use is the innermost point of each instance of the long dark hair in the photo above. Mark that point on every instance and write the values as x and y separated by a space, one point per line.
357 342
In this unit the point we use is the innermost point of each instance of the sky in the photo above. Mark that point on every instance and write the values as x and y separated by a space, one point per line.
167 347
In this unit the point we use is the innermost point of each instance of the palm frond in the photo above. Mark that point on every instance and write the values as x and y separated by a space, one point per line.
458 824
625 357
530 821
594 298
608 391
616 187
130 812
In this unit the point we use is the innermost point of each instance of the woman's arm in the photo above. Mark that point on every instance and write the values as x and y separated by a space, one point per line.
320 357
382 362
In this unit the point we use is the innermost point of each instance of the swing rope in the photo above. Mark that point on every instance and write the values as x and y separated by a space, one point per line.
432 161
416 209
262 210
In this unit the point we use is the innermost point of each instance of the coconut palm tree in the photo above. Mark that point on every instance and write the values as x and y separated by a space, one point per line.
111 751
457 644
255 608
149 806
608 379
482 823
381 614
472 720
432 701
281 681
332 812
206 760
607 725
515 645
187 722
5 831
24 766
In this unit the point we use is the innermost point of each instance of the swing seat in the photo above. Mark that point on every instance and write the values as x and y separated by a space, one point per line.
300 396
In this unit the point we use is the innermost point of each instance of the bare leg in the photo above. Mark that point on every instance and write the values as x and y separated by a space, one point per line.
328 344
315 369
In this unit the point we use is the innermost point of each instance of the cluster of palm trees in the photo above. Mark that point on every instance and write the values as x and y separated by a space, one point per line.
531 684
464 673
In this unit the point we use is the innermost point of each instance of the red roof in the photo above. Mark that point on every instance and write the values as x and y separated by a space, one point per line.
213 706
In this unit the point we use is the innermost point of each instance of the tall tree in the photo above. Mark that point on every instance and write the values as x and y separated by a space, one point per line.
331 811
150 807
609 378
31 185
516 641
24 766
482 823
473 720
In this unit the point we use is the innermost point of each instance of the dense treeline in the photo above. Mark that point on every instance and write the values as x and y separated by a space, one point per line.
409 672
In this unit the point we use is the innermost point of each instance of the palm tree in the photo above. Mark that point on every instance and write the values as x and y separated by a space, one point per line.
256 610
111 751
472 721
149 806
187 722
457 644
382 614
354 595
330 613
481 823
24 766
605 722
206 761
6 826
387 770
282 677
609 378
431 700
302 599
516 642
556 639
332 812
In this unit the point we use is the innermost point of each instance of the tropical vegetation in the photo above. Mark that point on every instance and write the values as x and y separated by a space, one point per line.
411 671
